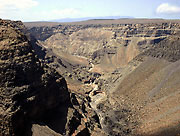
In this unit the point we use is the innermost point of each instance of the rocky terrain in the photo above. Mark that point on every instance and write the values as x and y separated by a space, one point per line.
127 68
118 78
34 98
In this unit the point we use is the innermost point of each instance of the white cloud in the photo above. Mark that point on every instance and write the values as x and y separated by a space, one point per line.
15 9
166 8
16 4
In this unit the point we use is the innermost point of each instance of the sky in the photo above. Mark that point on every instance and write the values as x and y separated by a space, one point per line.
45 10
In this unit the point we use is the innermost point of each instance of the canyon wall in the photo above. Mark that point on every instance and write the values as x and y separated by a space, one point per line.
117 79
124 69
34 98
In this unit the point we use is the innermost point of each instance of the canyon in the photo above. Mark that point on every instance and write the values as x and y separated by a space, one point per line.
96 77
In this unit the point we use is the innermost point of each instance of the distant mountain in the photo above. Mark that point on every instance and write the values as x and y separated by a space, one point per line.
89 18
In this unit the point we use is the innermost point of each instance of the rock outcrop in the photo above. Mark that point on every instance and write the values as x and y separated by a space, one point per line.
107 46
34 98
28 89
123 79
128 73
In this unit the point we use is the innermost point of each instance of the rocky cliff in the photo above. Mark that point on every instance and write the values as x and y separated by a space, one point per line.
127 71
28 89
34 99
122 79
107 46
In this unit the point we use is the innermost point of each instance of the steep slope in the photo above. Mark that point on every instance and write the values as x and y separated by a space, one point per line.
128 72
106 46
152 90
27 88
34 99
144 99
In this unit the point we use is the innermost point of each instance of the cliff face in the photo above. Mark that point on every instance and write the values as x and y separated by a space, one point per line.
127 72
107 46
34 99
28 88
123 79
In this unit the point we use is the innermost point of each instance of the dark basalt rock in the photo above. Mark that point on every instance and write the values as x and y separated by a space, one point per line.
28 89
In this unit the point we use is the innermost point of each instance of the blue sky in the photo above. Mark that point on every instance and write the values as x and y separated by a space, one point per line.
43 10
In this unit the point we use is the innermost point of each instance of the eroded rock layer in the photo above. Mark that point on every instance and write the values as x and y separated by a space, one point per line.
128 72
34 99
28 89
